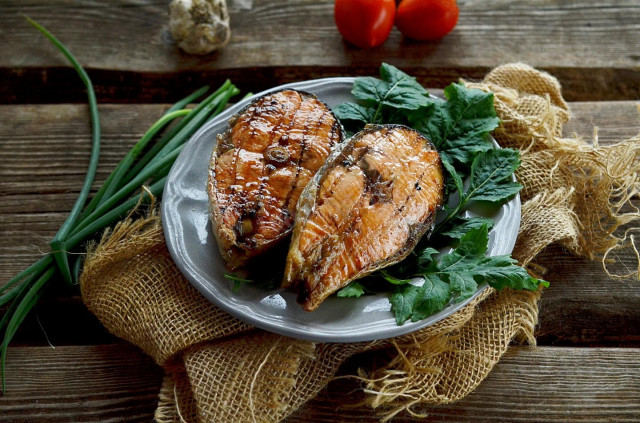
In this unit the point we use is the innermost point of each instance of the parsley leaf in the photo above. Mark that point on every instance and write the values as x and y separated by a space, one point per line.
433 295
463 285
503 272
456 276
426 256
392 279
461 225
402 301
491 176
353 112
354 289
267 281
238 282
385 100
490 181
396 89
458 127
455 177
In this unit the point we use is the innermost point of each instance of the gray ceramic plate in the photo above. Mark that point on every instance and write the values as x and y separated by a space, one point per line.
193 247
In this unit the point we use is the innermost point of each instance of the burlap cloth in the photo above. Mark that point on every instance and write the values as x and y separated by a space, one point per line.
219 369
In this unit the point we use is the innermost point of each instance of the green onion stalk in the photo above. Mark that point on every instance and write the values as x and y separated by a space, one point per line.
146 164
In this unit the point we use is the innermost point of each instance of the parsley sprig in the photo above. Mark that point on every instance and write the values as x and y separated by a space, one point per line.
455 277
459 128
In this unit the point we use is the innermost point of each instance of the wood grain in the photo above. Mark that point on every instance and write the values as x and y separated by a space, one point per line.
44 151
591 46
584 306
107 383
550 384
117 382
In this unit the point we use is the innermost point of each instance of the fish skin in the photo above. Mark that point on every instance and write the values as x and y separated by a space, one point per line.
365 209
260 166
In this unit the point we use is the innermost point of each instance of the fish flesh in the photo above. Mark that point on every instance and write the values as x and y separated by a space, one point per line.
259 167
365 209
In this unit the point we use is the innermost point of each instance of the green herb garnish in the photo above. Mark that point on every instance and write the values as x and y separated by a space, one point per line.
456 276
238 282
489 181
354 289
425 282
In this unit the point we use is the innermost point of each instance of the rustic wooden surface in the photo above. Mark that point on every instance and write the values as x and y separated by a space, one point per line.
117 383
587 367
592 46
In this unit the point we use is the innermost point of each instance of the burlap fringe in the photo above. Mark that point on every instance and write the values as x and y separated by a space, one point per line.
574 194
587 186
445 368
221 370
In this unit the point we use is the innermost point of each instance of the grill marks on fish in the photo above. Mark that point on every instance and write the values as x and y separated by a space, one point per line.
366 209
260 166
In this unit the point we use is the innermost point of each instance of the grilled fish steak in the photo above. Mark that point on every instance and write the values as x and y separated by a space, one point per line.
365 209
259 167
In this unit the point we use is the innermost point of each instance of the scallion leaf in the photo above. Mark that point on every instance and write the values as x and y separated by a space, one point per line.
57 244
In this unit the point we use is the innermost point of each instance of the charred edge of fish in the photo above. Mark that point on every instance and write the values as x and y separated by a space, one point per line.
373 127
303 293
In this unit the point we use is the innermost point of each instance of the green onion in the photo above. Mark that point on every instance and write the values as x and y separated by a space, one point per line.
125 164
98 197
21 311
187 127
115 199
114 214
132 186
16 291
181 104
57 244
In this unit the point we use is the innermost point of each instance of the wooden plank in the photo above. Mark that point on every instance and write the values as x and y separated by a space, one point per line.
548 384
108 383
44 151
115 382
615 121
590 45
582 305
51 144
580 34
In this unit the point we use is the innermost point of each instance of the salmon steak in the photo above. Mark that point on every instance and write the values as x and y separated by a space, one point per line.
364 210
259 167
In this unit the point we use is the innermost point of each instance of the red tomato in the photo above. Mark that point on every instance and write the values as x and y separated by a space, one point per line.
427 19
365 23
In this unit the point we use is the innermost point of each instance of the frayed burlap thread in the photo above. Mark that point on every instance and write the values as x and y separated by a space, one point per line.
219 369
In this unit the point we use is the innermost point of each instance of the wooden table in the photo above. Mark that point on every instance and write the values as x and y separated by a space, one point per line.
587 364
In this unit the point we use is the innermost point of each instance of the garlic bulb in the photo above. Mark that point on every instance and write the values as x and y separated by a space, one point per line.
199 26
